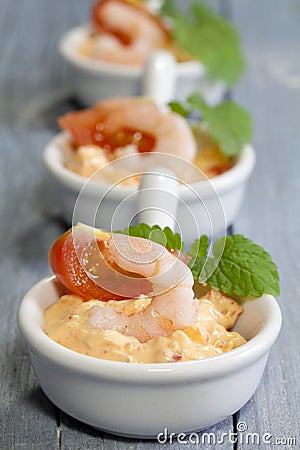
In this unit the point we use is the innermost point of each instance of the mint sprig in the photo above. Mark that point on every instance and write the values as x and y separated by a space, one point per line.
228 124
164 236
238 266
180 109
209 38
199 247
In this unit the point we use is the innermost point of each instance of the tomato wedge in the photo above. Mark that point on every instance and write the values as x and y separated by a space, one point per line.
82 125
87 127
69 254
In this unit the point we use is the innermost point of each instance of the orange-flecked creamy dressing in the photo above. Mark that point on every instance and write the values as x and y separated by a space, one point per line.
67 322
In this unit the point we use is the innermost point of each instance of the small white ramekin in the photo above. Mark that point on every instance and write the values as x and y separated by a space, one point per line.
205 207
93 80
142 400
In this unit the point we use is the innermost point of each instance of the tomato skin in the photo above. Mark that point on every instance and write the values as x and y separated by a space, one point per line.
87 128
81 125
66 266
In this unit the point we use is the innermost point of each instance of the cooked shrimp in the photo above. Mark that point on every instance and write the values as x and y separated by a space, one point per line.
116 123
172 303
127 32
172 133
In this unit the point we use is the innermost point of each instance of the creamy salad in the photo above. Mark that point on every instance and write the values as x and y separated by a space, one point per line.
69 322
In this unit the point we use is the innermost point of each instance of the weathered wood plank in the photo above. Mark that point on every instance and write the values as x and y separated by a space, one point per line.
27 417
33 77
271 212
79 436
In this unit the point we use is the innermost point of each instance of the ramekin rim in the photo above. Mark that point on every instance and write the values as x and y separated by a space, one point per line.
237 174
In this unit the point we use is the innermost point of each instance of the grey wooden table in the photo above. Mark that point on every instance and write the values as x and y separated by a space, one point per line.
33 91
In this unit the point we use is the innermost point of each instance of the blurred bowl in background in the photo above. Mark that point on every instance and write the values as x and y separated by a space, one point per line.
93 80
204 207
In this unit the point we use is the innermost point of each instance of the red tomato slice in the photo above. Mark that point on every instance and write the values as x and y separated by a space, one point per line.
82 125
65 263
86 128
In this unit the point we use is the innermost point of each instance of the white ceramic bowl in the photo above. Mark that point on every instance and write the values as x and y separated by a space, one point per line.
141 400
205 207
94 80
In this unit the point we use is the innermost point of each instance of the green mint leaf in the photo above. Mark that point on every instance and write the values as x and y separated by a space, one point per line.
143 230
202 267
199 247
245 268
164 236
228 124
196 265
168 8
178 108
209 38
173 239
204 13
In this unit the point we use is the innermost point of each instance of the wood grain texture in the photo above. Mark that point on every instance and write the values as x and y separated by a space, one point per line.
27 417
270 89
34 90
